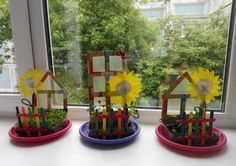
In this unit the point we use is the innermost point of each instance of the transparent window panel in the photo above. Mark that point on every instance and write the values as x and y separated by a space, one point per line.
8 73
99 64
115 63
182 88
99 101
174 105
155 45
99 84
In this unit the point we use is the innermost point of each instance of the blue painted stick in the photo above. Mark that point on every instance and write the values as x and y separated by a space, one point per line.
111 126
125 118
211 123
43 124
183 126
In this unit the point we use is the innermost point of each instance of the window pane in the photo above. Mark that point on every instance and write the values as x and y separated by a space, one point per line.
154 47
8 75
190 9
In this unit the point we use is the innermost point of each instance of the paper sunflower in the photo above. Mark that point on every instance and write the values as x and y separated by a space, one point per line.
205 86
126 87
30 82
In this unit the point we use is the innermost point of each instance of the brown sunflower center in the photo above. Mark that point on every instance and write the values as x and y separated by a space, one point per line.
123 88
204 86
30 83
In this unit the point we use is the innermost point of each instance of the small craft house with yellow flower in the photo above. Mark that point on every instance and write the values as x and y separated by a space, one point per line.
36 119
111 91
193 129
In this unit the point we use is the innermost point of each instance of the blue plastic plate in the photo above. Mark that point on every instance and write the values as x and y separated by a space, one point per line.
84 132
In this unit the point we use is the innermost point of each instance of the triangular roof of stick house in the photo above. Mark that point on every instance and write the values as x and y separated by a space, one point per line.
49 75
174 84
170 95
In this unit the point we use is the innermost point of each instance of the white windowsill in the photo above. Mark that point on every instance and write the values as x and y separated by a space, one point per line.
72 151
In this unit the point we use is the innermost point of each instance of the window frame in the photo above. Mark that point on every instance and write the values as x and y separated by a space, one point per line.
30 32
22 39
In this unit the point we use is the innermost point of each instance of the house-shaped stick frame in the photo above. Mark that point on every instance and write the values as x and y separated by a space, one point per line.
110 64
49 92
170 95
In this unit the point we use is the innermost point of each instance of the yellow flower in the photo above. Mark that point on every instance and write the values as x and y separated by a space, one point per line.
30 82
125 88
205 86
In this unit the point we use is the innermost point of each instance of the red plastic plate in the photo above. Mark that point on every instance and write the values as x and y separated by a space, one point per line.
220 144
12 133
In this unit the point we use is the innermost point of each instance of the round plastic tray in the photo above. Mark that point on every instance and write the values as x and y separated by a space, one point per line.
12 133
220 144
84 132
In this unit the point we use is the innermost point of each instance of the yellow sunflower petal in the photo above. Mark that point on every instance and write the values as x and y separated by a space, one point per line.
205 86
29 82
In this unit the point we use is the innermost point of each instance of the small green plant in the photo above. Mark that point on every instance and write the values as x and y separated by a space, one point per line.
54 117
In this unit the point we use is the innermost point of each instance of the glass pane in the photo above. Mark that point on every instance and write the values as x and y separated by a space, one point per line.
190 9
115 63
8 74
155 40
99 64
99 84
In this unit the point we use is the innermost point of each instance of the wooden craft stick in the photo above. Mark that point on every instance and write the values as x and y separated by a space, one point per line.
197 128
104 124
18 117
211 123
183 130
43 124
182 104
125 118
31 121
190 127
26 121
203 140
96 121
119 119
37 120
111 126
49 99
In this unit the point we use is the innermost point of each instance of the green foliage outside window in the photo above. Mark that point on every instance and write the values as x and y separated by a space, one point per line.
153 47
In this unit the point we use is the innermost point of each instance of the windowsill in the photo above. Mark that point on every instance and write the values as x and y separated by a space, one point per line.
147 116
71 150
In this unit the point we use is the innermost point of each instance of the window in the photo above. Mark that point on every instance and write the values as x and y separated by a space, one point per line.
153 13
77 26
15 50
196 8
8 74
81 26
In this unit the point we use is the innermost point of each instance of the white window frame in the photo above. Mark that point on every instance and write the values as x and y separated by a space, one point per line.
31 49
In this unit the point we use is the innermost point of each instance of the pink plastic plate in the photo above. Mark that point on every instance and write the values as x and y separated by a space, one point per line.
12 133
220 144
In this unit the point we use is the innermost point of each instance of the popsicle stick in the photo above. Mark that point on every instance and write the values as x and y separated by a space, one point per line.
104 124
183 126
96 121
119 119
203 140
18 117
49 100
111 126
37 120
190 127
211 123
26 122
